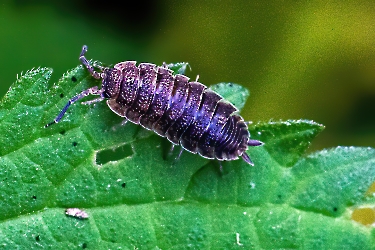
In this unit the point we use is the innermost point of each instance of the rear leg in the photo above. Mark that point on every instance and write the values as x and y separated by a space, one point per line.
179 155
116 126
170 154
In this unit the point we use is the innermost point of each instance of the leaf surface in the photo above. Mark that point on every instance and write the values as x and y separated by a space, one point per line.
137 195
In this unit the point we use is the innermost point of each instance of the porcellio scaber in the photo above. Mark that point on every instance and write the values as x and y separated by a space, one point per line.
186 113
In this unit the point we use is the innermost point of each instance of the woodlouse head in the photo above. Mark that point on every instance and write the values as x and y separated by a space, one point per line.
111 76
111 82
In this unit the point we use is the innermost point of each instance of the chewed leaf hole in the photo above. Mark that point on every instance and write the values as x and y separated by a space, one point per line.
114 154
365 215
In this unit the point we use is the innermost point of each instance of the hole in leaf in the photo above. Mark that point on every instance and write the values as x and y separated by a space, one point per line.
84 245
34 197
61 95
37 238
75 144
371 189
115 154
74 79
123 185
365 216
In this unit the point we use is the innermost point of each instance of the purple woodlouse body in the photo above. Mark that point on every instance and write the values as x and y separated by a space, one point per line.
187 113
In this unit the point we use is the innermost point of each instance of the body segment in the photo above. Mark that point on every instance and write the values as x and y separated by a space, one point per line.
176 105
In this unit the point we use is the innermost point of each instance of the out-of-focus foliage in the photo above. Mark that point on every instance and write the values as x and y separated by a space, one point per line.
309 59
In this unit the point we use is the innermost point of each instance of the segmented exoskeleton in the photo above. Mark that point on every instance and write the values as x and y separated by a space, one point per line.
187 113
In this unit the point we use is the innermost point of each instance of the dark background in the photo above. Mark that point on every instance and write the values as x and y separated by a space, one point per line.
311 60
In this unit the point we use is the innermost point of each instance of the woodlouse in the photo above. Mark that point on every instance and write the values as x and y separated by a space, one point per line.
187 113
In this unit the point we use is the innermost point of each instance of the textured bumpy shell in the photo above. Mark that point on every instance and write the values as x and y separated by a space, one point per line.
186 113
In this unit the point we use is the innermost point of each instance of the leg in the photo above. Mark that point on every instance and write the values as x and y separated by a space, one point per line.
90 91
115 127
98 66
89 67
167 150
179 155
221 169
93 101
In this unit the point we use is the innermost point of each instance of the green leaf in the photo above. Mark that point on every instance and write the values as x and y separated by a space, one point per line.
179 68
350 169
137 195
234 93
287 141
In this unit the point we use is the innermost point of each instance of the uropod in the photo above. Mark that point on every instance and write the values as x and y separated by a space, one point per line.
186 113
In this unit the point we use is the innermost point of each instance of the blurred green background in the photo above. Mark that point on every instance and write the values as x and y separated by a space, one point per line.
300 59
